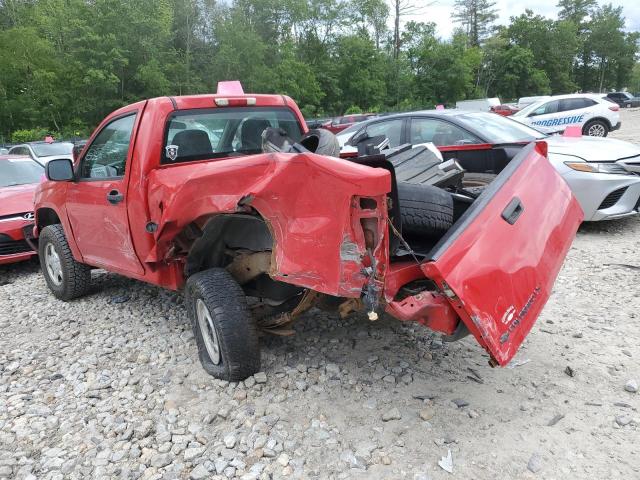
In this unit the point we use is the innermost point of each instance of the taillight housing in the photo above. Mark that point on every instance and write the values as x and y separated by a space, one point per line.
614 108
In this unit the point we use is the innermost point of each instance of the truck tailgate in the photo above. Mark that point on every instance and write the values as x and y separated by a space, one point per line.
498 263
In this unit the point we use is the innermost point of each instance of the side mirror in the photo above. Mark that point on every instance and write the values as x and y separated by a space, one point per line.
60 170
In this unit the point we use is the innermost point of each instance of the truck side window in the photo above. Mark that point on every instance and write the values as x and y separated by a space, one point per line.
107 155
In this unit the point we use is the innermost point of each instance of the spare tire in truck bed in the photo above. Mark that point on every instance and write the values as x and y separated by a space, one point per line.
322 142
425 210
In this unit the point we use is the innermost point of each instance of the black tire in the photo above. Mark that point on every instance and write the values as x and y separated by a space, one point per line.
472 180
72 279
425 210
234 330
322 142
596 128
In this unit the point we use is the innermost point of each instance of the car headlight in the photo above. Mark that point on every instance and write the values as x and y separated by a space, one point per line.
598 167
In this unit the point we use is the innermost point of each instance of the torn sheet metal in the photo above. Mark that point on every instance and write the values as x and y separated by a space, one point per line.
319 241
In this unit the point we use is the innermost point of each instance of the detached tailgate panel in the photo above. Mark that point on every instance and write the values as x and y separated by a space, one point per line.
499 262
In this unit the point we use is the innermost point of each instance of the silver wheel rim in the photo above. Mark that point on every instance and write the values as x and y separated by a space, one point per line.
208 331
596 130
53 264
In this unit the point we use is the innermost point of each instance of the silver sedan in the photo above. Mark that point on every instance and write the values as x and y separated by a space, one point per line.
603 173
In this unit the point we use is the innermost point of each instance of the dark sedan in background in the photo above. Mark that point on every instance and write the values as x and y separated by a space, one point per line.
604 173
624 99
481 142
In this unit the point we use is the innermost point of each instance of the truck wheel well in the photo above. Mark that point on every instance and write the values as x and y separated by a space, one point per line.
243 245
46 217
222 233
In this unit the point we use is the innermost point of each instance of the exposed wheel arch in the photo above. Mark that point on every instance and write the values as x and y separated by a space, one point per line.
46 217
238 231
242 245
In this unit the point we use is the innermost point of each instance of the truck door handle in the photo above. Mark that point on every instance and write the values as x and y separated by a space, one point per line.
513 211
114 197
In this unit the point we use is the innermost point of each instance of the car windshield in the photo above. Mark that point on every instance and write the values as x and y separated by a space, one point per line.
222 132
499 129
19 171
52 149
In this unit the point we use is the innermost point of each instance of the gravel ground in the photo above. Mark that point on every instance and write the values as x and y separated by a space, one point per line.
109 386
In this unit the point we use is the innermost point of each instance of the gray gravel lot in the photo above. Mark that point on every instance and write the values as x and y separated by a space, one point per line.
109 386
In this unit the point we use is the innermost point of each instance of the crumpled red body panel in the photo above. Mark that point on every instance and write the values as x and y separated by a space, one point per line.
310 203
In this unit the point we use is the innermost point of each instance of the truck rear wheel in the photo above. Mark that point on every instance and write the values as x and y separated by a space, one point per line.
225 332
66 277
425 210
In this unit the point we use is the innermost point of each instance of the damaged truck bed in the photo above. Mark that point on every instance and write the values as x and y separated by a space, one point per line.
182 193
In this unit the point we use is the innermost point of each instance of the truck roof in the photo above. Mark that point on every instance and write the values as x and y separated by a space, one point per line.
188 102
229 94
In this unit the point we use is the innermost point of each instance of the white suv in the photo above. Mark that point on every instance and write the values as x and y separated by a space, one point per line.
595 115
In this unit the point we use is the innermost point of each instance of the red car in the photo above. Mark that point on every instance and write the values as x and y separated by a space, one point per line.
505 110
19 177
188 193
340 123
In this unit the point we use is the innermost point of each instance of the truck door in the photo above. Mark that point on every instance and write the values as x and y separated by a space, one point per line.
97 201
498 263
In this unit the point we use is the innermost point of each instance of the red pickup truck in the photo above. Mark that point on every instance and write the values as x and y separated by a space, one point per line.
180 192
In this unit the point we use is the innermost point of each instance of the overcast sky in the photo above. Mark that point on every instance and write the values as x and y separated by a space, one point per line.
440 13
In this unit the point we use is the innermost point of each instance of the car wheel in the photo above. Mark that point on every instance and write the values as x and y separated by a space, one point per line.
596 128
225 332
322 142
425 210
66 277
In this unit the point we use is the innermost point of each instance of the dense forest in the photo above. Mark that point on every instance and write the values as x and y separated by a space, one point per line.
64 64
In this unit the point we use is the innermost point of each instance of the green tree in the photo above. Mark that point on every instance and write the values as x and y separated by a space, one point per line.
612 50
30 83
543 37
578 12
509 71
476 18
444 70
370 16
67 63
634 80
360 72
